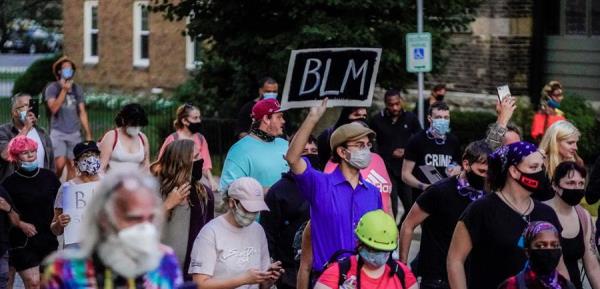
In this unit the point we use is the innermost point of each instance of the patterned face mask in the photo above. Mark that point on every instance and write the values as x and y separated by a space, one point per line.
89 165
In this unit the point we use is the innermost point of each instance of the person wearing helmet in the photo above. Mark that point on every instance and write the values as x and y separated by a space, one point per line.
378 238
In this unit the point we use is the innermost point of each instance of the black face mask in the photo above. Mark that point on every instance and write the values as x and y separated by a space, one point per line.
439 97
572 196
536 183
197 170
194 127
314 161
544 261
475 181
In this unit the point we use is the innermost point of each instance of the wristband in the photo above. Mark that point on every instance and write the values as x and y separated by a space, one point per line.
10 210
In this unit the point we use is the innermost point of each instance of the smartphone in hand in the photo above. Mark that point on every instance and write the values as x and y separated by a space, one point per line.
34 106
503 91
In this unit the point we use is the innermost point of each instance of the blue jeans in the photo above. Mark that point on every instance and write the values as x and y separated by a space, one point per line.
4 271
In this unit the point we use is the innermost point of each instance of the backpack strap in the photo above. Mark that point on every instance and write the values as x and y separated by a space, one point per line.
396 269
142 139
344 267
582 219
175 136
116 138
521 280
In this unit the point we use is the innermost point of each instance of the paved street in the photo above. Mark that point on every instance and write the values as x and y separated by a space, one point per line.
18 60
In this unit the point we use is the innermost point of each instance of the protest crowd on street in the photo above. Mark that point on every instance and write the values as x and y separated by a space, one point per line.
335 208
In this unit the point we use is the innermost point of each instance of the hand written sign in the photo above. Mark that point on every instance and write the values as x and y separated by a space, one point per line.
76 197
346 76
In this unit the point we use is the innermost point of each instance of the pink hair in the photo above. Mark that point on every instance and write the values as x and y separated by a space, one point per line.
18 145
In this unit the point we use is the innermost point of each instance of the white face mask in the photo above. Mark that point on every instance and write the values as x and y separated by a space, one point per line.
133 130
242 217
360 159
133 251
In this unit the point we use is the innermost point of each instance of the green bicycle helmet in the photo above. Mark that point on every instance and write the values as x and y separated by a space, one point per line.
378 230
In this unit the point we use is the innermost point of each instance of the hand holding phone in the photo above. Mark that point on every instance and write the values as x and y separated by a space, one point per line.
34 107
503 91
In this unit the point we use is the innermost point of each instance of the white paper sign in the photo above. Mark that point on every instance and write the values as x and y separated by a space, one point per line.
76 197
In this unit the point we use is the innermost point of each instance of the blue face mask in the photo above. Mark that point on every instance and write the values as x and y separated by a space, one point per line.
22 116
67 73
373 258
270 95
29 166
553 103
441 126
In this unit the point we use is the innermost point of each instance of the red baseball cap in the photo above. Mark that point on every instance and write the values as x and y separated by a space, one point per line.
265 107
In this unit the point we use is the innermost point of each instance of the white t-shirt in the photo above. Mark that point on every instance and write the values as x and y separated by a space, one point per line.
41 153
224 251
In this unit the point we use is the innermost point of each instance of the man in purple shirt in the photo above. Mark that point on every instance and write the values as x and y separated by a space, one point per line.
339 199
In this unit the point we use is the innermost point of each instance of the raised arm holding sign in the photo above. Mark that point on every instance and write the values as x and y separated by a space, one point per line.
346 76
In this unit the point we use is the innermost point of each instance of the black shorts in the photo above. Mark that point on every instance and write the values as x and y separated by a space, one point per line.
33 254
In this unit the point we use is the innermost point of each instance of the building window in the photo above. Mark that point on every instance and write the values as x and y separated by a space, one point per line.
90 32
576 17
193 51
141 34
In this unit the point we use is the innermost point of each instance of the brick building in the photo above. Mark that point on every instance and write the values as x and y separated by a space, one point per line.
526 43
117 44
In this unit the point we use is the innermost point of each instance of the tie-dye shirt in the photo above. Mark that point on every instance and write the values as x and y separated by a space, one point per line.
73 273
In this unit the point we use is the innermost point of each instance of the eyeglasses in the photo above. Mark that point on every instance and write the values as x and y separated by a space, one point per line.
361 146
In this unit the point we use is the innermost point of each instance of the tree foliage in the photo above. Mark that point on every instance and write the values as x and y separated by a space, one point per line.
46 12
245 40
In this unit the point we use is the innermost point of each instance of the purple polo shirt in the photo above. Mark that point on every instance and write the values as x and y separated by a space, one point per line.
335 209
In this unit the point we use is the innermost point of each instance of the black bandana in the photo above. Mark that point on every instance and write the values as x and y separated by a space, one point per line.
262 135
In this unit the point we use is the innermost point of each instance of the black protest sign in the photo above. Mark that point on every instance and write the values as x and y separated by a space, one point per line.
346 76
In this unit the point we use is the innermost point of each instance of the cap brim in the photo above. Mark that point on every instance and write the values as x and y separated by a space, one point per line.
254 206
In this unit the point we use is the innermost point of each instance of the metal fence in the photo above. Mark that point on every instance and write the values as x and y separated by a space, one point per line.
219 133
8 75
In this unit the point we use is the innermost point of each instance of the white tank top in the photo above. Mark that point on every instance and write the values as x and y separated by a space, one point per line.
122 160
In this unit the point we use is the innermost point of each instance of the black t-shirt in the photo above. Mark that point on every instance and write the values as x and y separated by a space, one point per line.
424 150
495 230
4 223
244 118
394 135
33 196
444 206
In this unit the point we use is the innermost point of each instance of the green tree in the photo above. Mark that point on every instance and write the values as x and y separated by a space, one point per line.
46 12
245 40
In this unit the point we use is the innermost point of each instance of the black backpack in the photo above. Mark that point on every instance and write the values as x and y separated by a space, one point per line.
344 267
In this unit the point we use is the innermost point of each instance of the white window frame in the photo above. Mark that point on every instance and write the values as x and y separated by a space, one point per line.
138 61
88 58
190 54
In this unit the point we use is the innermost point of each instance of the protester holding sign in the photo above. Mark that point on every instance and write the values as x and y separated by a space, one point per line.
32 190
77 192
337 200
432 153
187 126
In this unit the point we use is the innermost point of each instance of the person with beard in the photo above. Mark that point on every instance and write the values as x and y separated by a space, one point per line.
87 164
121 248
348 115
260 154
126 147
394 126
372 267
32 190
436 148
543 249
267 89
188 204
187 125
341 198
24 123
231 251
489 229
577 237
288 211
437 211
438 92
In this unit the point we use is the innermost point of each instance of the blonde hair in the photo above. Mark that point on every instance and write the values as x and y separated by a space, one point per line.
182 113
557 132
547 92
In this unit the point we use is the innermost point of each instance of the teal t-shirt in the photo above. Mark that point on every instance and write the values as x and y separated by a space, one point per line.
251 157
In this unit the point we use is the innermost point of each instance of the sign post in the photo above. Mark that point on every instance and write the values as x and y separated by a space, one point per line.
347 76
418 56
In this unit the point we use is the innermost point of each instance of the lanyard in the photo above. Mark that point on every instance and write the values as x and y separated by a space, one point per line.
109 283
